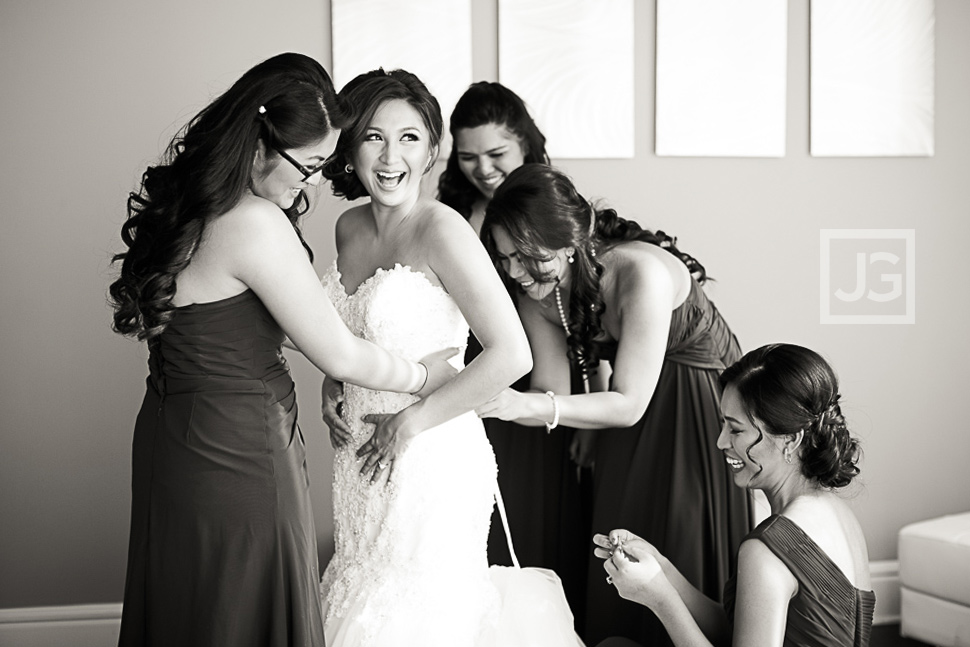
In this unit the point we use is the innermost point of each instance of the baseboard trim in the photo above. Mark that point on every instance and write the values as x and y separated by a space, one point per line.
82 625
62 613
885 584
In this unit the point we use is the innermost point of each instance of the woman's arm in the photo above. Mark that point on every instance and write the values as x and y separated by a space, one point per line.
643 301
637 579
463 267
263 251
765 587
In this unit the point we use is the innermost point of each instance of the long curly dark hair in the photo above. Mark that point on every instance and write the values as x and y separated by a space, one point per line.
540 209
487 103
788 389
287 101
362 97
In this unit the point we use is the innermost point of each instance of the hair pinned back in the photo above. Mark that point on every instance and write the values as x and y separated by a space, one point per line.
789 389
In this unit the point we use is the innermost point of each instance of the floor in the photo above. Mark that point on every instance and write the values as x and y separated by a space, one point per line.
888 636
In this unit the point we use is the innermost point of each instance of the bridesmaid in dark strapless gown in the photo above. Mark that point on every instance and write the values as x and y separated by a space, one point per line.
664 478
221 511
222 544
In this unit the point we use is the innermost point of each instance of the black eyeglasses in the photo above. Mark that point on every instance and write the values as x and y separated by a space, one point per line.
308 171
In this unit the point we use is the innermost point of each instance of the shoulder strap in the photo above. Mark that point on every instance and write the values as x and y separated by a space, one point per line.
505 524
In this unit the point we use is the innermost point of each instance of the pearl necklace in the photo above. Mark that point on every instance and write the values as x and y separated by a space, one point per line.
565 326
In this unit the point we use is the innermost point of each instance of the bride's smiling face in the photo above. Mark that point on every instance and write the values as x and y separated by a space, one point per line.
394 154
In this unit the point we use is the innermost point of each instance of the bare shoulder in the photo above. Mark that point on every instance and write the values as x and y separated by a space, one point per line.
758 566
439 220
635 255
446 237
634 270
351 224
353 218
832 525
252 220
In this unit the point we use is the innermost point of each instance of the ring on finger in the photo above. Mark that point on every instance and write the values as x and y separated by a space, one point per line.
609 579
381 465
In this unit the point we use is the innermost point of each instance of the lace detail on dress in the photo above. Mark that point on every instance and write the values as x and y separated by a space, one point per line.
410 553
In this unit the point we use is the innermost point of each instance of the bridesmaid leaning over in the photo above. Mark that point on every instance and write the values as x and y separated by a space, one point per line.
599 292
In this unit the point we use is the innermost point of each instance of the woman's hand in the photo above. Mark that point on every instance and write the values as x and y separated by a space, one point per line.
583 446
387 441
332 395
439 371
509 404
633 567
623 539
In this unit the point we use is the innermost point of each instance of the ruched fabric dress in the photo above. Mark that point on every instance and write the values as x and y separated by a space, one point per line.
664 478
223 547
827 611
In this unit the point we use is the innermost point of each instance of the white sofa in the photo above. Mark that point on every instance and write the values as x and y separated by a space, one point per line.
934 576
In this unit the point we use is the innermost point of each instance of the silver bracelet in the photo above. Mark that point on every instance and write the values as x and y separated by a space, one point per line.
427 372
555 413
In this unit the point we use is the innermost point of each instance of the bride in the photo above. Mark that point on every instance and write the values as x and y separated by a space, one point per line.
414 480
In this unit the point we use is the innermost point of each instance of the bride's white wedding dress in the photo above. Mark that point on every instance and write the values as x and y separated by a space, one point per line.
410 565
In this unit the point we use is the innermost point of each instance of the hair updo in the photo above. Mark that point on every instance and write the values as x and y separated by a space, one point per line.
789 389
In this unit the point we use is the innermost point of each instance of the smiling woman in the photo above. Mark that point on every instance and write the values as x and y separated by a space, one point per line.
595 289
282 185
413 493
493 135
803 574
222 549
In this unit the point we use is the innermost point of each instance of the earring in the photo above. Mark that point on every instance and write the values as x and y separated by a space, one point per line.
569 258
348 169
787 454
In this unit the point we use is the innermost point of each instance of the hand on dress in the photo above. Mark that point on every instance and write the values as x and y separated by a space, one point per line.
383 446
439 370
507 405
333 401
633 567
582 448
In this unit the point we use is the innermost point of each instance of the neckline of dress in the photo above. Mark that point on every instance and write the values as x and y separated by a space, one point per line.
815 547
381 271
223 301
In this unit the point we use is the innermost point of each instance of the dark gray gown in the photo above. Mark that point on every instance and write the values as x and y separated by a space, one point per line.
827 611
664 478
222 548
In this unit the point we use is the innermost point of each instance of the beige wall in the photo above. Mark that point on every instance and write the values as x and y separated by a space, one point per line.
91 92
